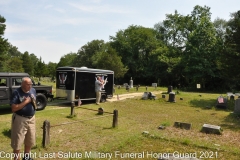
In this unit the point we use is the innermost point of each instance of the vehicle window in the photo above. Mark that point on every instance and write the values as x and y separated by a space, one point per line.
16 81
3 82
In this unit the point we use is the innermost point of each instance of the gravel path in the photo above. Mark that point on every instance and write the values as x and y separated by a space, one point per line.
129 95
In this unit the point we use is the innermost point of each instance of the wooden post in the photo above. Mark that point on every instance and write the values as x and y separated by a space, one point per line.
72 108
100 111
115 118
46 133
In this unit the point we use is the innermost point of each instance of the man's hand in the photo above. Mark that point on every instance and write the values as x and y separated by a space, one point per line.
27 100
16 107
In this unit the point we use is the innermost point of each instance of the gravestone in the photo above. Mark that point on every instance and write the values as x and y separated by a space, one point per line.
229 94
131 83
237 106
125 84
171 97
221 102
232 97
183 125
127 88
137 87
237 94
170 89
211 129
100 111
145 95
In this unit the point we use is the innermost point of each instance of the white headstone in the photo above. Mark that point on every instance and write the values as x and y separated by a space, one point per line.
131 83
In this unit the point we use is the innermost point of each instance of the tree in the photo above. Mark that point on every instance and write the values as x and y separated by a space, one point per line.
220 26
41 69
230 57
107 58
51 67
135 46
13 51
3 43
173 32
27 64
67 60
13 65
86 52
34 61
200 55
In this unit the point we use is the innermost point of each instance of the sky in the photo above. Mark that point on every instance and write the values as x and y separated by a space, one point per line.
51 29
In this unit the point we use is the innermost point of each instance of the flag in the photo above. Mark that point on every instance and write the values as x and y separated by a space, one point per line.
220 100
79 102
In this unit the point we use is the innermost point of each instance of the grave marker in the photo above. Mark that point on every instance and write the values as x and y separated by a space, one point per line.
213 129
237 106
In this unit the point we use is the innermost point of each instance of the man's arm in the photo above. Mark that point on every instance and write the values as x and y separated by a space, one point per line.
99 82
16 107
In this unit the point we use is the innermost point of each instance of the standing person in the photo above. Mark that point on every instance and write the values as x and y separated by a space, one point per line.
98 87
103 82
23 119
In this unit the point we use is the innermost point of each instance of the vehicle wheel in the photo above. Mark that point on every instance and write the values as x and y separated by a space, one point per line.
103 99
41 101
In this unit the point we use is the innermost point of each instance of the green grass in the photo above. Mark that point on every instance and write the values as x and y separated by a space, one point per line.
137 131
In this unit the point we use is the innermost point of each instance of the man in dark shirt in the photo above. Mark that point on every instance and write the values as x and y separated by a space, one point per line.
23 119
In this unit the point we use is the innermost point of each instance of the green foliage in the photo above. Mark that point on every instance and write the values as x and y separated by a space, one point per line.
231 53
200 54
2 25
13 65
107 58
27 64
166 124
67 60
85 54
136 45
13 51
97 54
173 30
40 69
3 43
51 67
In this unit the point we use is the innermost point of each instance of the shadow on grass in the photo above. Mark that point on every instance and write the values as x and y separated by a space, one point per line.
105 128
5 109
211 103
232 122
202 103
7 133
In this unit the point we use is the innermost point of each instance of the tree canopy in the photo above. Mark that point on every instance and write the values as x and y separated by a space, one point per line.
3 43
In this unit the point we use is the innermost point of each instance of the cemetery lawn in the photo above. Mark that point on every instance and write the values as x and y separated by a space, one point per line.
138 135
